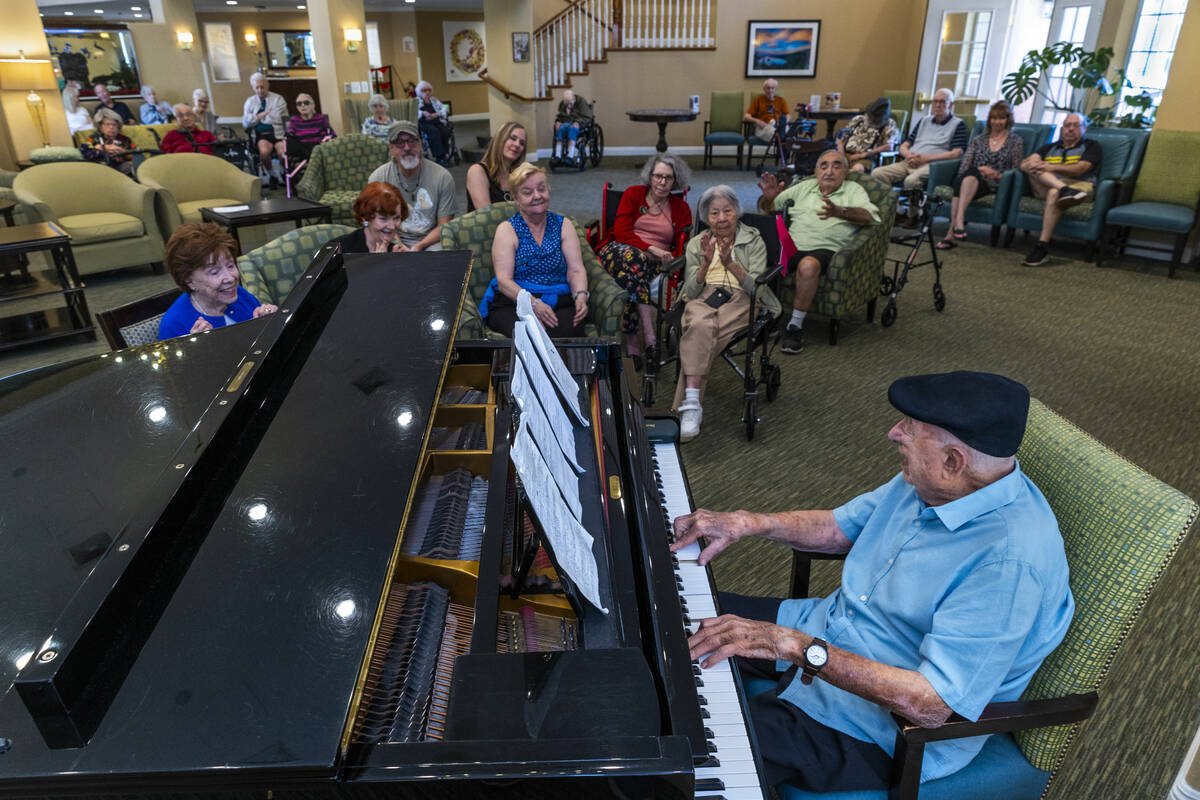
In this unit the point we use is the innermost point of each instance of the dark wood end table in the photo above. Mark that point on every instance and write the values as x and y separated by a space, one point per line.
42 325
279 209
832 117
662 116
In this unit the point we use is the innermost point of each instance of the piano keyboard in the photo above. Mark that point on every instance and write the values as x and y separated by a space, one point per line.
730 772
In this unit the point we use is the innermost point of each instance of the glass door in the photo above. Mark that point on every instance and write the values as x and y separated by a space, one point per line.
1078 22
961 51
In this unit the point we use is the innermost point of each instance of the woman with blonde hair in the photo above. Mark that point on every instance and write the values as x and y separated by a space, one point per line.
538 251
983 164
78 118
487 180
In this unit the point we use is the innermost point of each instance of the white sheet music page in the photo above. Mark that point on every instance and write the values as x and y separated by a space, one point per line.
570 541
536 335
559 431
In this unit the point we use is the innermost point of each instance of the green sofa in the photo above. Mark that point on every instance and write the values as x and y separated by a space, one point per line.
475 231
187 182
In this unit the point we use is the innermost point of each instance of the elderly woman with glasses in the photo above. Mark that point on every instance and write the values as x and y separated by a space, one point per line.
379 123
308 126
536 250
646 233
108 145
205 117
719 277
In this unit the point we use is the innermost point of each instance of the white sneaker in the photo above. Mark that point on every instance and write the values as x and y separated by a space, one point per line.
690 415
571 152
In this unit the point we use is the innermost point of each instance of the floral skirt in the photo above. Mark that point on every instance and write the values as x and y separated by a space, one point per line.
633 269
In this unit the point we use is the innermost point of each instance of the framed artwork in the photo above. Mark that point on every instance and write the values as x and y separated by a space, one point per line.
218 41
782 49
99 54
520 45
465 49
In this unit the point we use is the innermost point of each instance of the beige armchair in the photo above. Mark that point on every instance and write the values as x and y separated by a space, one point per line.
109 217
187 182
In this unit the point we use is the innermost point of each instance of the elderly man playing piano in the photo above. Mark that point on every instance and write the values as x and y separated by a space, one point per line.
953 591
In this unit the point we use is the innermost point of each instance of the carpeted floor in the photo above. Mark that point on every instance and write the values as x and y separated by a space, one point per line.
1110 349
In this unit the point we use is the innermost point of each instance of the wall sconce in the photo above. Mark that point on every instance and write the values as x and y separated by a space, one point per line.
353 37
29 74
252 39
185 40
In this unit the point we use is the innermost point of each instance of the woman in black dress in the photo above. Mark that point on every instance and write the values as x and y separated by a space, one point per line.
379 210
487 181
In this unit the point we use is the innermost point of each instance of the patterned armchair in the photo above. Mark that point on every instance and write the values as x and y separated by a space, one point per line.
475 231
1121 527
852 280
398 109
991 209
1123 149
269 272
338 171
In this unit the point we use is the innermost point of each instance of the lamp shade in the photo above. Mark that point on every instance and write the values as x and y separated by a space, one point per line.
25 75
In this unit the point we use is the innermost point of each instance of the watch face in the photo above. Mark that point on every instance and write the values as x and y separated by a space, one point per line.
816 655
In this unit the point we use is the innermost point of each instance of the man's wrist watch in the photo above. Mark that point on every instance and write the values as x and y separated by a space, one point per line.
816 656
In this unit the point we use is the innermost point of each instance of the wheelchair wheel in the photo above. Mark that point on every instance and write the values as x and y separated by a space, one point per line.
939 297
886 284
774 379
648 391
889 315
597 151
751 418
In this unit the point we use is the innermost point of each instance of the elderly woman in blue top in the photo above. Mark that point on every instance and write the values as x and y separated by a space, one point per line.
200 256
536 250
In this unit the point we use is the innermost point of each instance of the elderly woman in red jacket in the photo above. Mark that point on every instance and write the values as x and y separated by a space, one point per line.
645 234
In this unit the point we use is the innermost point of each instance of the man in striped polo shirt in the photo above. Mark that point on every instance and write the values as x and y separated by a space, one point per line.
1064 174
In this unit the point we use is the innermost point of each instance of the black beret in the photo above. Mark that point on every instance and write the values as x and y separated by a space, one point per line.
986 411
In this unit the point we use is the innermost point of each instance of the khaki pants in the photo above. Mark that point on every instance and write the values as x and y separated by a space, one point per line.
893 173
706 332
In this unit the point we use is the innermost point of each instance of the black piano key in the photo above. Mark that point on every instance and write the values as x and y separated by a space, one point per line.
710 785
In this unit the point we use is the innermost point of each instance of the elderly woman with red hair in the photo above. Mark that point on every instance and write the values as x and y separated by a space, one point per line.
379 210
201 258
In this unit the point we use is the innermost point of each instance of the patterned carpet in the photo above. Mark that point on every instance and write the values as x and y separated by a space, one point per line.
1109 349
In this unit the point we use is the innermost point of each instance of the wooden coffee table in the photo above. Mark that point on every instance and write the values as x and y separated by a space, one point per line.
264 211
39 325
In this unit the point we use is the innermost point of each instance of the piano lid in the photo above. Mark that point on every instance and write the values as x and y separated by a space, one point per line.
254 659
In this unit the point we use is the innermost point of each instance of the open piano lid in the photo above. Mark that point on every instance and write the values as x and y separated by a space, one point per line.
254 569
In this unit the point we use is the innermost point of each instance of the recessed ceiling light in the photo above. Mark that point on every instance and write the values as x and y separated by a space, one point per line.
302 8
68 13
135 8
97 10
231 2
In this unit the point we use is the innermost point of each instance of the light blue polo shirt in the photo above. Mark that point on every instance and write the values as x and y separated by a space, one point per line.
973 594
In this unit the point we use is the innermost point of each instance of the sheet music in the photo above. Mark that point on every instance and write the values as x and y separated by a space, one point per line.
534 339
543 429
570 541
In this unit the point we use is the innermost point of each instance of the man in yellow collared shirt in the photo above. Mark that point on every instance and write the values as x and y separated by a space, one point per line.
825 216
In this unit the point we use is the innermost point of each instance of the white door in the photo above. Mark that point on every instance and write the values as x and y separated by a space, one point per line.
1078 22
962 49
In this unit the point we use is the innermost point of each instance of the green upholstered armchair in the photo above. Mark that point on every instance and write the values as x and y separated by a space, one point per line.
187 182
338 170
110 218
475 231
357 111
990 209
1166 196
1121 527
1123 149
724 124
852 280
269 272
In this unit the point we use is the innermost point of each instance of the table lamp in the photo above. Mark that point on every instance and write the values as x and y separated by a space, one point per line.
29 74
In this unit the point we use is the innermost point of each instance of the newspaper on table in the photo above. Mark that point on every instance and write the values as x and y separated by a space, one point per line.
536 336
535 397
569 540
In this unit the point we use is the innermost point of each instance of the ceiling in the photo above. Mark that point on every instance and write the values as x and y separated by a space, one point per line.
140 10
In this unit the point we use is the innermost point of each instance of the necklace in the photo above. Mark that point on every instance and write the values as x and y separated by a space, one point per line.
405 186
196 305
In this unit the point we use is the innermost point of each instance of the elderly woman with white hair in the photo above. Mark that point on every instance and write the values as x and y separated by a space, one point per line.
433 121
379 123
152 111
201 107
719 277
78 118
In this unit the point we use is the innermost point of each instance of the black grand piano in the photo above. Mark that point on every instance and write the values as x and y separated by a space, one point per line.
292 557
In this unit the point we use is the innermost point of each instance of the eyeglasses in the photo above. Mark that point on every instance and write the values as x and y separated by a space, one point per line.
406 141
667 178
304 102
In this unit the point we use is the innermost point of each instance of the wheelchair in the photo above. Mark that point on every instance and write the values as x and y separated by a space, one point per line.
453 156
755 343
589 147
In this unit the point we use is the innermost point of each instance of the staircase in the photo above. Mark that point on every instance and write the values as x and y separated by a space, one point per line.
584 32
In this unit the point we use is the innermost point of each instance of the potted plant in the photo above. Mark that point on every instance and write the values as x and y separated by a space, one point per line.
1088 70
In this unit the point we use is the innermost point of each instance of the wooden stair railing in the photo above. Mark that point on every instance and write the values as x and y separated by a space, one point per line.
504 90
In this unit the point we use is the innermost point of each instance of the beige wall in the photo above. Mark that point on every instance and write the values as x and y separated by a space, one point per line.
393 27
22 30
859 54
468 98
503 18
1179 110
329 19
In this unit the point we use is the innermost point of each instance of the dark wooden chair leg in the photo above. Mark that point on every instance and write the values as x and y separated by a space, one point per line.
1101 248
1008 236
1177 253
1090 252
995 239
871 310
833 330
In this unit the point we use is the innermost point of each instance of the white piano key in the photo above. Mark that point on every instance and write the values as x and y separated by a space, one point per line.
731 778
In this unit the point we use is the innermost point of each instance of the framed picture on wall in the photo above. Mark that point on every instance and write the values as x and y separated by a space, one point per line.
520 44
466 50
782 49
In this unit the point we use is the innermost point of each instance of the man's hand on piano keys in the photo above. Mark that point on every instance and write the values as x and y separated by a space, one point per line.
719 638
720 528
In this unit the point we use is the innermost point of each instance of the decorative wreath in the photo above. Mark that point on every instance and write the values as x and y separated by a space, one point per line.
472 60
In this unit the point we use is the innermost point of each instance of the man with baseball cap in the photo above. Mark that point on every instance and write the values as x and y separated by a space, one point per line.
953 591
426 186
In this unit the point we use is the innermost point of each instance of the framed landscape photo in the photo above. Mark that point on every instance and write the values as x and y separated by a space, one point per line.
782 48
520 47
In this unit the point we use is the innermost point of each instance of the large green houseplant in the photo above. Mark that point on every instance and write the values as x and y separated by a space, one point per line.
1088 70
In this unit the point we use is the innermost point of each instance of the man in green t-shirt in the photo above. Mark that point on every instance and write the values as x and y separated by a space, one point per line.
825 215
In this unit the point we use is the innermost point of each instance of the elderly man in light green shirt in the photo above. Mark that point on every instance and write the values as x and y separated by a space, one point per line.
826 214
